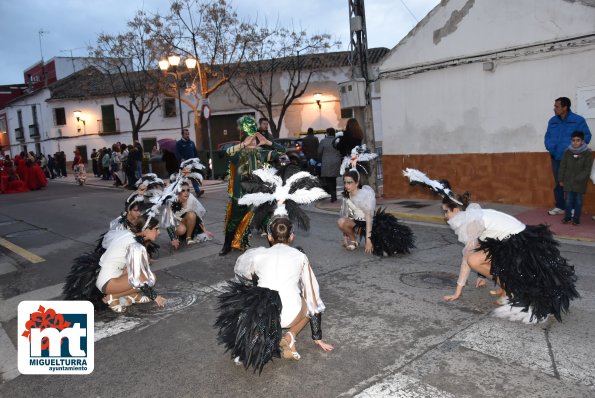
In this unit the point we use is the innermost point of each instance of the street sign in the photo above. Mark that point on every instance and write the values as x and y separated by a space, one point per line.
206 112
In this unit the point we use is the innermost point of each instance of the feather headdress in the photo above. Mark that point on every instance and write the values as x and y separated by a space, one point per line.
417 177
281 192
148 189
359 154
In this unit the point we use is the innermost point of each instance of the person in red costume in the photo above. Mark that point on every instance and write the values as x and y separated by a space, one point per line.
36 177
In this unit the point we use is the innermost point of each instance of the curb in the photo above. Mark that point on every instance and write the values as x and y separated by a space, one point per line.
418 217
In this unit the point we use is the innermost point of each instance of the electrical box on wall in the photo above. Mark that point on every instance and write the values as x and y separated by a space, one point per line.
353 93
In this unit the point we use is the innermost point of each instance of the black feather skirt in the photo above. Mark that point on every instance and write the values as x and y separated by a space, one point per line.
249 323
80 281
389 236
531 270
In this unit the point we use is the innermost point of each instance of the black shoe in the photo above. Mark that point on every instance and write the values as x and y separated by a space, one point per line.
200 193
225 250
333 200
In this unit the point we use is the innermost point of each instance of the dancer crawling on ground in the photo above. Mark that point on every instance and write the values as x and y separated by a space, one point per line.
284 269
286 294
524 260
125 271
120 276
382 231
185 219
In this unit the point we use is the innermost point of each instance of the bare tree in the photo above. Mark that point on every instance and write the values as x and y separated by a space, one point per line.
129 62
210 32
281 53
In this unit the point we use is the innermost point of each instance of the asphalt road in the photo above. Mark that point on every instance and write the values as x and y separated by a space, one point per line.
393 335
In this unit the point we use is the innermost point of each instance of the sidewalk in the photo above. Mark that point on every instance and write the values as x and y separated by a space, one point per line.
430 211
424 210
98 182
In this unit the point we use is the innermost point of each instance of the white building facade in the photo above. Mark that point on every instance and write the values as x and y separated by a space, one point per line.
468 93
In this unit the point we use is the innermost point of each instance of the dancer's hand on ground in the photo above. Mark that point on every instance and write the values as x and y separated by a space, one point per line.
480 282
368 247
175 243
458 293
452 297
209 234
323 345
160 301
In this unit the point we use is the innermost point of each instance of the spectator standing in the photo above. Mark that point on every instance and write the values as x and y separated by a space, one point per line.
51 167
352 137
310 147
263 128
94 157
138 160
557 139
331 163
105 163
185 149
62 164
131 167
575 169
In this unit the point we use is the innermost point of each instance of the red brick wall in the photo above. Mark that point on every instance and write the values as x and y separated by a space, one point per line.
514 178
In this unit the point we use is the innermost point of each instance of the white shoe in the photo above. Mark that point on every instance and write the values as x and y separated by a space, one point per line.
555 212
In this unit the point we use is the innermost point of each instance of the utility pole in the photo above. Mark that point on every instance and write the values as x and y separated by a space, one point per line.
359 69
45 76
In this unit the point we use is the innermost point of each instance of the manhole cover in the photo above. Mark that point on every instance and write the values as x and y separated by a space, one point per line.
176 301
412 204
430 280
26 233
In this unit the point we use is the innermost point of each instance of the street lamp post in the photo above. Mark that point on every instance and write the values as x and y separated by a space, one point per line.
173 61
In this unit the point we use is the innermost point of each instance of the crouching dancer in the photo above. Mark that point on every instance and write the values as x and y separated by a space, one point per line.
122 276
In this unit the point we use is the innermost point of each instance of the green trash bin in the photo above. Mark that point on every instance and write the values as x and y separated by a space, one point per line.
220 163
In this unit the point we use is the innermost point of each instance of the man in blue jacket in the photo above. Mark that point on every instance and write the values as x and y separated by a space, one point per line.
557 139
185 149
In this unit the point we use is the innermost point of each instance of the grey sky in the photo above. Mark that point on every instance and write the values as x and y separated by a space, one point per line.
74 24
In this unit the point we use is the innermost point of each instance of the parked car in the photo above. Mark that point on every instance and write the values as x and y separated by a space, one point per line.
294 151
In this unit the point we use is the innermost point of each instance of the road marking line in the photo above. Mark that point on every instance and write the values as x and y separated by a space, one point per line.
399 385
9 307
9 362
27 255
117 326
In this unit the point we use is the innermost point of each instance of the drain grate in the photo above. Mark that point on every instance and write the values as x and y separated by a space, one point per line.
26 233
430 280
176 301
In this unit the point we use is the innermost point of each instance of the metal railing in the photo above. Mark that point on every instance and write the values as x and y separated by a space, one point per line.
108 128
33 130
19 133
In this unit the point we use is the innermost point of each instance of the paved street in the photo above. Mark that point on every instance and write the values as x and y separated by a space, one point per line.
393 335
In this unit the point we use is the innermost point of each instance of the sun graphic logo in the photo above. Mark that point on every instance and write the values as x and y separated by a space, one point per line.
56 337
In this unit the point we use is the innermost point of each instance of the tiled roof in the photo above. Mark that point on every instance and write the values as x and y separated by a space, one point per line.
327 60
86 83
91 82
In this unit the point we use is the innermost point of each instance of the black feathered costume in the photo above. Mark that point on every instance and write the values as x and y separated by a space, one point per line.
267 298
